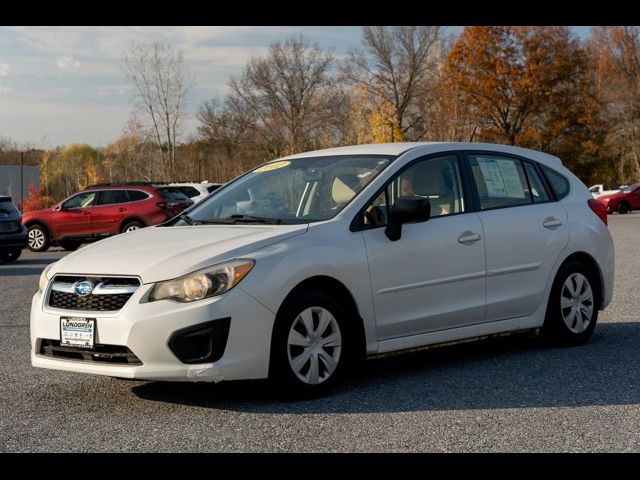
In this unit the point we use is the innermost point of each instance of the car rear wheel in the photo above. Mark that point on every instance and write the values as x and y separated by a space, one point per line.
573 306
623 208
38 238
70 245
312 344
132 225
10 255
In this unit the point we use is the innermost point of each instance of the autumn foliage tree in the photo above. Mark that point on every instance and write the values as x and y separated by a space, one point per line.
508 75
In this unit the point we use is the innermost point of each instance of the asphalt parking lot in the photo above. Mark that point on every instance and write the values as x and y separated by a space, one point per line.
508 394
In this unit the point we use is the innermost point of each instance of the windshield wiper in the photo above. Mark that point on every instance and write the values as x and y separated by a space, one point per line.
187 219
241 218
251 218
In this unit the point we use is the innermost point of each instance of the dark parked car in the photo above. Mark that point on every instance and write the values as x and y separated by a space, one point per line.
101 211
13 236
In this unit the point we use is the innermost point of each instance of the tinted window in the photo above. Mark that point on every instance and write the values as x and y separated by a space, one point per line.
438 179
81 200
111 197
538 191
172 194
559 184
135 195
7 209
213 188
501 181
189 191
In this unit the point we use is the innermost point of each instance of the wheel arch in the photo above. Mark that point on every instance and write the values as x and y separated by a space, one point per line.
131 218
590 262
342 293
43 224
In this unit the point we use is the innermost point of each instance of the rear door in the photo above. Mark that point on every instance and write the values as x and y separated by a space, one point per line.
524 229
109 211
74 217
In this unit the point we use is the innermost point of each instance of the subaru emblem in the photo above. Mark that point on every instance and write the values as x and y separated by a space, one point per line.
83 288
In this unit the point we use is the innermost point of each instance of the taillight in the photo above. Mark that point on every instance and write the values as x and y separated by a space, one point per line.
599 209
167 204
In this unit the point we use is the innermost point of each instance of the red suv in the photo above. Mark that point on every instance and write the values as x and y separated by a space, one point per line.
624 201
100 211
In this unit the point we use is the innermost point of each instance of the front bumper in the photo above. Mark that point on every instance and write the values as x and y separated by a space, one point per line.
14 240
147 328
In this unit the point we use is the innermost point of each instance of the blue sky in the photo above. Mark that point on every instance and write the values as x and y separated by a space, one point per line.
65 84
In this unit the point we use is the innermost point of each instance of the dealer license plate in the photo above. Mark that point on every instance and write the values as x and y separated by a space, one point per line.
77 332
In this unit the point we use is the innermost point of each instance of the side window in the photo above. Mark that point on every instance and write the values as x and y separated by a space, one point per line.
438 179
559 184
80 201
135 195
111 197
189 191
501 181
538 190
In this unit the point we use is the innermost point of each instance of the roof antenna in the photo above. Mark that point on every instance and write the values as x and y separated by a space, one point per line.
474 132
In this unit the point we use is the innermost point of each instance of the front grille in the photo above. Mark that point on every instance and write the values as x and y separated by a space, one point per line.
99 353
90 303
110 293
11 226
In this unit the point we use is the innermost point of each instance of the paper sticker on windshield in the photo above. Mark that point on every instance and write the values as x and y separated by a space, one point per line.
272 166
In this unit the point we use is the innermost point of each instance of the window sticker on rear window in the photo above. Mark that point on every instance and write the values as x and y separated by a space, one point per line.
501 177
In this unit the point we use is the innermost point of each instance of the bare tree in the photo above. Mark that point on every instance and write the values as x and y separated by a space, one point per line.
162 80
394 68
289 92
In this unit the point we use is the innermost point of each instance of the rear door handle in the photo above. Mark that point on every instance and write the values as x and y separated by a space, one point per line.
469 238
122 209
551 223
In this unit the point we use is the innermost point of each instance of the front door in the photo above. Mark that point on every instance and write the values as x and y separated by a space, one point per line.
433 277
74 217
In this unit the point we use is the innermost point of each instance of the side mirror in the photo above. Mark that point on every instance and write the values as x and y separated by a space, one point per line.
57 208
406 210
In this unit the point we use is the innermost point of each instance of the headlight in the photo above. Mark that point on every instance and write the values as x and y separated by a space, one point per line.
204 283
42 284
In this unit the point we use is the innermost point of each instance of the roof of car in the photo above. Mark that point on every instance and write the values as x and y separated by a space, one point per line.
403 147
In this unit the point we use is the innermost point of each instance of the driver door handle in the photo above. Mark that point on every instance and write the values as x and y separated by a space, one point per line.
469 238
551 223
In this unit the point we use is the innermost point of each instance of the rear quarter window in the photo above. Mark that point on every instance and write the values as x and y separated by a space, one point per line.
559 184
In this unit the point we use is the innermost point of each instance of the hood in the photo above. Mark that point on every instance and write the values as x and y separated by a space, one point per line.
162 253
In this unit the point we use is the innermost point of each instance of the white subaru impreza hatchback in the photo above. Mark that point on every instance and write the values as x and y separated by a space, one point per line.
303 265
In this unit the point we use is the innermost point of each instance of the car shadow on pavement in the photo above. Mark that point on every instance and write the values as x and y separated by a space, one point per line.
27 266
507 372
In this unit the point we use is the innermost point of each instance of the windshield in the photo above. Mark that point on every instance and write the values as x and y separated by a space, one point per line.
297 191
630 188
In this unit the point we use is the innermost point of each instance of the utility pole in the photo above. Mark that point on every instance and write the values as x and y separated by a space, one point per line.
21 178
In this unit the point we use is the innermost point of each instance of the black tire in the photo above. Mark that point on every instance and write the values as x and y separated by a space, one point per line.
37 232
555 329
10 255
280 370
70 245
132 225
623 208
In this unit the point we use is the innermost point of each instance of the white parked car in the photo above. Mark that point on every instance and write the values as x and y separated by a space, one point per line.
197 191
303 265
598 190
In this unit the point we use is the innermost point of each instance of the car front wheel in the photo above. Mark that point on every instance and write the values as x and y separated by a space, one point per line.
38 239
573 306
312 344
